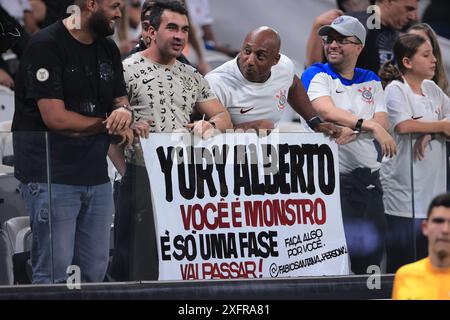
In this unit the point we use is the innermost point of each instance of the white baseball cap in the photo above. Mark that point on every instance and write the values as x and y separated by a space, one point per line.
347 26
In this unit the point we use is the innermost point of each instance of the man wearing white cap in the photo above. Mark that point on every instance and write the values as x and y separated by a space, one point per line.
353 98
382 28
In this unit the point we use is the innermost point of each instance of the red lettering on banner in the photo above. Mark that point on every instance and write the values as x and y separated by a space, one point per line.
197 209
196 216
186 216
236 215
266 213
308 214
222 214
229 270
189 271
222 270
285 212
320 220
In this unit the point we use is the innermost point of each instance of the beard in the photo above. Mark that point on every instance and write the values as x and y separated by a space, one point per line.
99 25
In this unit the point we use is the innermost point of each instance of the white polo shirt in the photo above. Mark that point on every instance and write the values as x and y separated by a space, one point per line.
249 101
362 96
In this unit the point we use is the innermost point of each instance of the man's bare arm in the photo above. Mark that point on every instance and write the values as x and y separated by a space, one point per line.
382 119
115 153
314 48
57 118
218 118
329 112
299 101
217 113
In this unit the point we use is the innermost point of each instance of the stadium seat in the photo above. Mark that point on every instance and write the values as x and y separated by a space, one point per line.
6 104
11 203
18 231
15 242
6 146
6 262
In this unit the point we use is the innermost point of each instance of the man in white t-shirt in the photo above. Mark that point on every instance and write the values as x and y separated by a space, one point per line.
257 86
353 98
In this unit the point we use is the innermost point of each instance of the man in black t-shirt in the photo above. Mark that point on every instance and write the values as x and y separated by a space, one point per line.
71 83
395 15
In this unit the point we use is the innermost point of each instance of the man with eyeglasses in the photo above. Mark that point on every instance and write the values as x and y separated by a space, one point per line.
383 23
429 278
353 98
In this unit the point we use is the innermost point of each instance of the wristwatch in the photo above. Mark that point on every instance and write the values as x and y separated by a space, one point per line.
314 122
358 126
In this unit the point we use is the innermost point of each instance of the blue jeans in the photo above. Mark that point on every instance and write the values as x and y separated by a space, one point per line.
81 223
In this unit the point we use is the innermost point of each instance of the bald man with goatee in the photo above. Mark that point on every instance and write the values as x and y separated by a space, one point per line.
260 82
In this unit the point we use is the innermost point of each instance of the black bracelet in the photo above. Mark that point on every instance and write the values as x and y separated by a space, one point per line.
358 126
314 122
213 124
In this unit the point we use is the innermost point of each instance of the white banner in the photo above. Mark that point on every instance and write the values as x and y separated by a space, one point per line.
243 206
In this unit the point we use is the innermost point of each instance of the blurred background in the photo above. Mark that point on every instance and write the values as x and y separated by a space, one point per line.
292 18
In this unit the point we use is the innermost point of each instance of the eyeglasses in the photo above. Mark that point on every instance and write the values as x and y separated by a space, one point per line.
339 41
